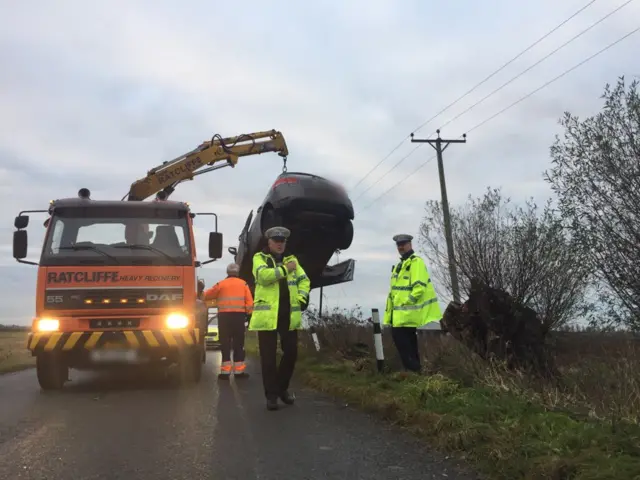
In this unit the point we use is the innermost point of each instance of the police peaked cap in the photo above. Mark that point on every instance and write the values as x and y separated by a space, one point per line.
277 232
402 237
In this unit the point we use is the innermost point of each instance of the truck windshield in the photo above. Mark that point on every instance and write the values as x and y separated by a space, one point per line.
117 236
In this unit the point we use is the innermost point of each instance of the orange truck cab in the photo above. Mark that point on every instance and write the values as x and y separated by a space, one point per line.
116 286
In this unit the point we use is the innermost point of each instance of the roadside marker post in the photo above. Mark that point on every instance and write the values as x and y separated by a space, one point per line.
377 338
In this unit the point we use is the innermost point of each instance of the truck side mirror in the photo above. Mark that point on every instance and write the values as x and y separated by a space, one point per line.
233 251
20 244
21 221
215 245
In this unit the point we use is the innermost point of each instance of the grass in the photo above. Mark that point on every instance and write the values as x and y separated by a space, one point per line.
504 424
14 355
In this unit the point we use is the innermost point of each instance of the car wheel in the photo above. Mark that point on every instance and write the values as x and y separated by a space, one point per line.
345 235
270 218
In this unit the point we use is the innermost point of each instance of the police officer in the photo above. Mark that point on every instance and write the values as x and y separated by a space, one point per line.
281 294
235 303
411 302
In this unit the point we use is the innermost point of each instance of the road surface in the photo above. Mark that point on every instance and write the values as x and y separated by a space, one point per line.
137 427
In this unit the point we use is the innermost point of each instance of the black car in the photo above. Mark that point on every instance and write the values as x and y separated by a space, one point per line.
319 214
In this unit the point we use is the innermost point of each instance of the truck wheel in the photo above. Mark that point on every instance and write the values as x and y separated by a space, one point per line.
52 373
190 366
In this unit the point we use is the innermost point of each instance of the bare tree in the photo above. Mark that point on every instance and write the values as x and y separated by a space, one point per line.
596 176
520 250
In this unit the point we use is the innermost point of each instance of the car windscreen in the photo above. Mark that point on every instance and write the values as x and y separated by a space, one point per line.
117 236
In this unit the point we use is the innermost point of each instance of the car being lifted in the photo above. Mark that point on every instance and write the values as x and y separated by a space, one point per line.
319 214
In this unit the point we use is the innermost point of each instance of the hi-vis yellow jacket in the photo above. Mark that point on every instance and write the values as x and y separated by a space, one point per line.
267 274
412 300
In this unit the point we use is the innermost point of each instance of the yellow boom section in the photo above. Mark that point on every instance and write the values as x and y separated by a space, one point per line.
163 179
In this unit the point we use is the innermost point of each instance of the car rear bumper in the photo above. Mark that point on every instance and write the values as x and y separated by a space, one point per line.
151 341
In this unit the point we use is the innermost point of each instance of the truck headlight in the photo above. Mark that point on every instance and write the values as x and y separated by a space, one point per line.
48 325
177 320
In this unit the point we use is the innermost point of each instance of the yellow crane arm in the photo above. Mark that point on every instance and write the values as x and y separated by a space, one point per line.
163 179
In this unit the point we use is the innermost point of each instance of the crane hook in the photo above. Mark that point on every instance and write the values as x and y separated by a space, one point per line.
284 164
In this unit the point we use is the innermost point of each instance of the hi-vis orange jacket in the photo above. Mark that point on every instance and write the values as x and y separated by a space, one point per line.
231 295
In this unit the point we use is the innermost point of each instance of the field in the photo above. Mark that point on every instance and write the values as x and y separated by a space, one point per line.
585 426
13 353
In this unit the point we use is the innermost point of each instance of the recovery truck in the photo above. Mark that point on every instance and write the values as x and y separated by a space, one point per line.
116 280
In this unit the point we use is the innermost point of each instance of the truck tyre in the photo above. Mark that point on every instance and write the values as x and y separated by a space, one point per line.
52 373
190 366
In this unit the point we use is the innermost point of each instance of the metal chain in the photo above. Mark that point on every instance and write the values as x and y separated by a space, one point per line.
284 165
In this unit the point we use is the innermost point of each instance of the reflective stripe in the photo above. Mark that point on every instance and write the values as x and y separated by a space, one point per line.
261 307
239 367
410 287
231 304
415 307
225 368
279 271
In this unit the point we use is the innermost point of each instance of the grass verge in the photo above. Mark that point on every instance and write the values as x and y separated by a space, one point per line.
14 355
504 433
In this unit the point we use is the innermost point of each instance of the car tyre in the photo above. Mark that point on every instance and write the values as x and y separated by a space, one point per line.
345 235
270 218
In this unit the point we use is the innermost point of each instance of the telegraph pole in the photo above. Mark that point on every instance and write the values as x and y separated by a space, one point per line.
438 142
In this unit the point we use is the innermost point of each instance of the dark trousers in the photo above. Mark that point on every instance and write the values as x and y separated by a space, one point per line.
406 342
276 378
231 330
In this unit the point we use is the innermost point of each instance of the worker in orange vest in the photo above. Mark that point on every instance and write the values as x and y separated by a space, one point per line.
235 304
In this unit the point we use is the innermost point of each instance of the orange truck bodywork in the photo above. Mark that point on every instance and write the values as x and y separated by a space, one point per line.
90 316
107 284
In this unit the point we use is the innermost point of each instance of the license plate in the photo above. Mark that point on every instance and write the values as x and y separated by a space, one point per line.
120 356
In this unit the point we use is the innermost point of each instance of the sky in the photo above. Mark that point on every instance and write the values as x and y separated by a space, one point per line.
94 94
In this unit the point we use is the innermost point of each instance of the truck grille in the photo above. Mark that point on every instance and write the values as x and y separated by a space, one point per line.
110 298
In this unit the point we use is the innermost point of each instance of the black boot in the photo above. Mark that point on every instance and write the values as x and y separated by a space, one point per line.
287 397
272 403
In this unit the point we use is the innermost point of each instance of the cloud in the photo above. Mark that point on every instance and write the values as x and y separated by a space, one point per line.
95 94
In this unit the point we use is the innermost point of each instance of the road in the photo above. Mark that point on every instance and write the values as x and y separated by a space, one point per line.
142 427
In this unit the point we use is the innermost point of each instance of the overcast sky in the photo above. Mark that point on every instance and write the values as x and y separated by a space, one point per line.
94 94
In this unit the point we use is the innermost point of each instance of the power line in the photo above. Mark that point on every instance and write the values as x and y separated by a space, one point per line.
473 89
394 166
511 106
499 88
538 62
507 64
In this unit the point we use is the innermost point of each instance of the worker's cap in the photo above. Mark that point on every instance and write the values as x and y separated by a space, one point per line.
233 269
277 233
402 238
